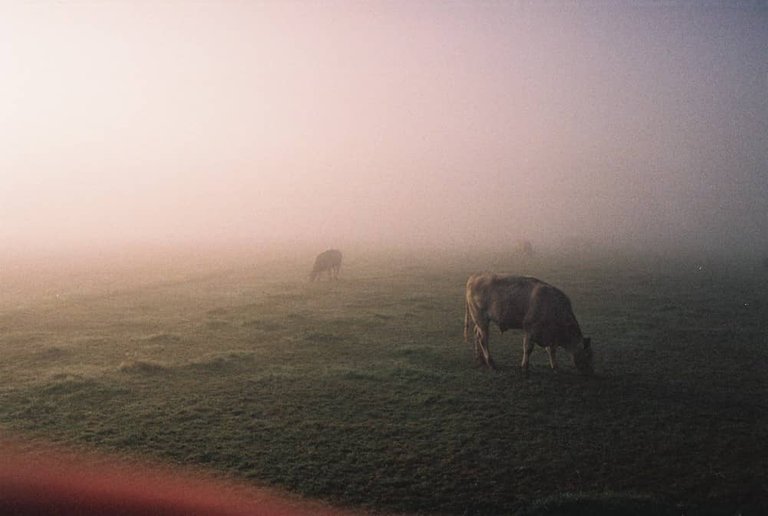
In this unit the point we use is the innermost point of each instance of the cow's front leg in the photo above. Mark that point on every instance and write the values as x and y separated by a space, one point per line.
527 350
552 352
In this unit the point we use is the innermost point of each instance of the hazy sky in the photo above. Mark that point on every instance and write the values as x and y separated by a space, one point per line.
379 122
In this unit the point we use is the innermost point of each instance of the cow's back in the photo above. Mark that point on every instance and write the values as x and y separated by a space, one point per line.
504 299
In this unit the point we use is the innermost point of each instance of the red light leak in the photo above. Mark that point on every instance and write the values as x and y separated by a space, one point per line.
43 479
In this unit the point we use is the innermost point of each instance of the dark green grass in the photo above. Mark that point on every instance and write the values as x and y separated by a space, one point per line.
363 393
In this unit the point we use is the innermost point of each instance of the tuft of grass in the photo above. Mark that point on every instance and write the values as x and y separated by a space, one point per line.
232 360
52 353
142 367
163 338
264 325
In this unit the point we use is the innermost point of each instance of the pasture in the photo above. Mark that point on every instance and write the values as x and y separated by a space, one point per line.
362 393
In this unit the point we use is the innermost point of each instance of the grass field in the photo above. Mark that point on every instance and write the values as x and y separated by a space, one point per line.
362 392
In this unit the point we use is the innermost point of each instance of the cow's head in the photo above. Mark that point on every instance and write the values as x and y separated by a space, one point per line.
582 358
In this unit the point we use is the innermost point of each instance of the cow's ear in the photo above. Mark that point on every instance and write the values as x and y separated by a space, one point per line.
587 342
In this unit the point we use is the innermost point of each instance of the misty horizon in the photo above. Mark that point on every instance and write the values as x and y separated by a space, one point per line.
438 125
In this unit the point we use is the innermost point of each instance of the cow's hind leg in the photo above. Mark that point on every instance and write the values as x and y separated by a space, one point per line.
476 343
527 350
481 344
478 346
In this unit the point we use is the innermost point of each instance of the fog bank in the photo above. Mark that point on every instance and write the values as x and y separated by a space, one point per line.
639 126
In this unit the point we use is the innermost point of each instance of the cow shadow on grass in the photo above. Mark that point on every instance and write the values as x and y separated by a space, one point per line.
566 374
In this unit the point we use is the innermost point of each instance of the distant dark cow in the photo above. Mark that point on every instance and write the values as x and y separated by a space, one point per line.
327 261
542 311
524 248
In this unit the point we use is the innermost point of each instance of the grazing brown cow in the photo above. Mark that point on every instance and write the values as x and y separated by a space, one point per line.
327 261
542 311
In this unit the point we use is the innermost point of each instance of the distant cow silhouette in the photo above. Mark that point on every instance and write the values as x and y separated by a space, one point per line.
542 311
328 261
524 248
